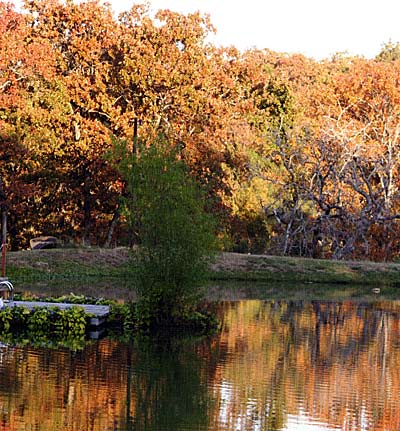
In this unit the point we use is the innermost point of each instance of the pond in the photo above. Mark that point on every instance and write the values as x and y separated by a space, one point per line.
310 365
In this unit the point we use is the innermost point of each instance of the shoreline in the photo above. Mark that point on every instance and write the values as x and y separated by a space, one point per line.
96 264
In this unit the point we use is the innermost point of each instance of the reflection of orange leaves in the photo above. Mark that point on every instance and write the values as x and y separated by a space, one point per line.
336 362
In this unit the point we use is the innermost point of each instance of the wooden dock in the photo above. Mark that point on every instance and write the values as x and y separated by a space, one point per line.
99 312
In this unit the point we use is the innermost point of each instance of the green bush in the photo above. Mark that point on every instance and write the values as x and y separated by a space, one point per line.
44 322
166 209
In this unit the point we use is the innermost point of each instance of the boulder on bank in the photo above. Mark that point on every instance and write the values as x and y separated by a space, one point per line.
43 242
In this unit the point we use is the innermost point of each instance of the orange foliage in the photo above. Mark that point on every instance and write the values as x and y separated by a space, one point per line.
295 154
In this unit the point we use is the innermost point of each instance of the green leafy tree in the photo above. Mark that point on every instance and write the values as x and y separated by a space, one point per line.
166 209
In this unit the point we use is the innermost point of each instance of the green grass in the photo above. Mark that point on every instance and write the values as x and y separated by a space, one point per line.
67 271
68 264
301 270
96 265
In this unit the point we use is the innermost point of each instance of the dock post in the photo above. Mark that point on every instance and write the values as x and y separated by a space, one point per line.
3 242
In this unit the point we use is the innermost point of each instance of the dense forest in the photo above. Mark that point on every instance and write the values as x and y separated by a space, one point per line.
297 156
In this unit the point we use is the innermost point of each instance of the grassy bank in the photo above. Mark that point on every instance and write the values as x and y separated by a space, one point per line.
291 269
95 265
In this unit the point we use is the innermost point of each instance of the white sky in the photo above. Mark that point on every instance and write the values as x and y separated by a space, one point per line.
316 28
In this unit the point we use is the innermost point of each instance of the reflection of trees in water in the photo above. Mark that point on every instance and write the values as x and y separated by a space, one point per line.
336 361
58 389
144 385
168 384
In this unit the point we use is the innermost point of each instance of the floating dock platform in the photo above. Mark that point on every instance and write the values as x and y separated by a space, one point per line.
99 312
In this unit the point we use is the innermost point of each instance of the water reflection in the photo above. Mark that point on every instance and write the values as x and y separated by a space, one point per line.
276 365
333 365
167 384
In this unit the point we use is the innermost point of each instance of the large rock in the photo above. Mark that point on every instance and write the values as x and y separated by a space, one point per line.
43 242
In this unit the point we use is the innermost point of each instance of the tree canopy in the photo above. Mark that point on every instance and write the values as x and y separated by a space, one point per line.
297 156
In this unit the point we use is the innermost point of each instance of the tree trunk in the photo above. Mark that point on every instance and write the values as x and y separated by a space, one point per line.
111 229
3 228
86 212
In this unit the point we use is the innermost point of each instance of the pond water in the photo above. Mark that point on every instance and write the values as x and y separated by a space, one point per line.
276 365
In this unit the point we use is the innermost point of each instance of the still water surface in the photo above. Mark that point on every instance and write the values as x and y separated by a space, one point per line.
276 365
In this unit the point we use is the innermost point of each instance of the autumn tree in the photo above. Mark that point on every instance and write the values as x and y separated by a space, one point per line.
177 84
390 52
340 172
367 126
81 37
29 97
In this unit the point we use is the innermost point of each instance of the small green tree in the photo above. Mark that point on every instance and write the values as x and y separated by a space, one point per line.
176 236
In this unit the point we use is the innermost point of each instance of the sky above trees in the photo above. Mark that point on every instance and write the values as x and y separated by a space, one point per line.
311 27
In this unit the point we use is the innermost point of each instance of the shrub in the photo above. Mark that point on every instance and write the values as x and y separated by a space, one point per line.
176 236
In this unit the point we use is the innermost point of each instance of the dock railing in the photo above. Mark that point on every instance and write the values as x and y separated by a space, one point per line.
6 286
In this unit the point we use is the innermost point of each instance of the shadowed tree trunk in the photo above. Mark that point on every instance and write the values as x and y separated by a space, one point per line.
111 229
3 213
87 204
